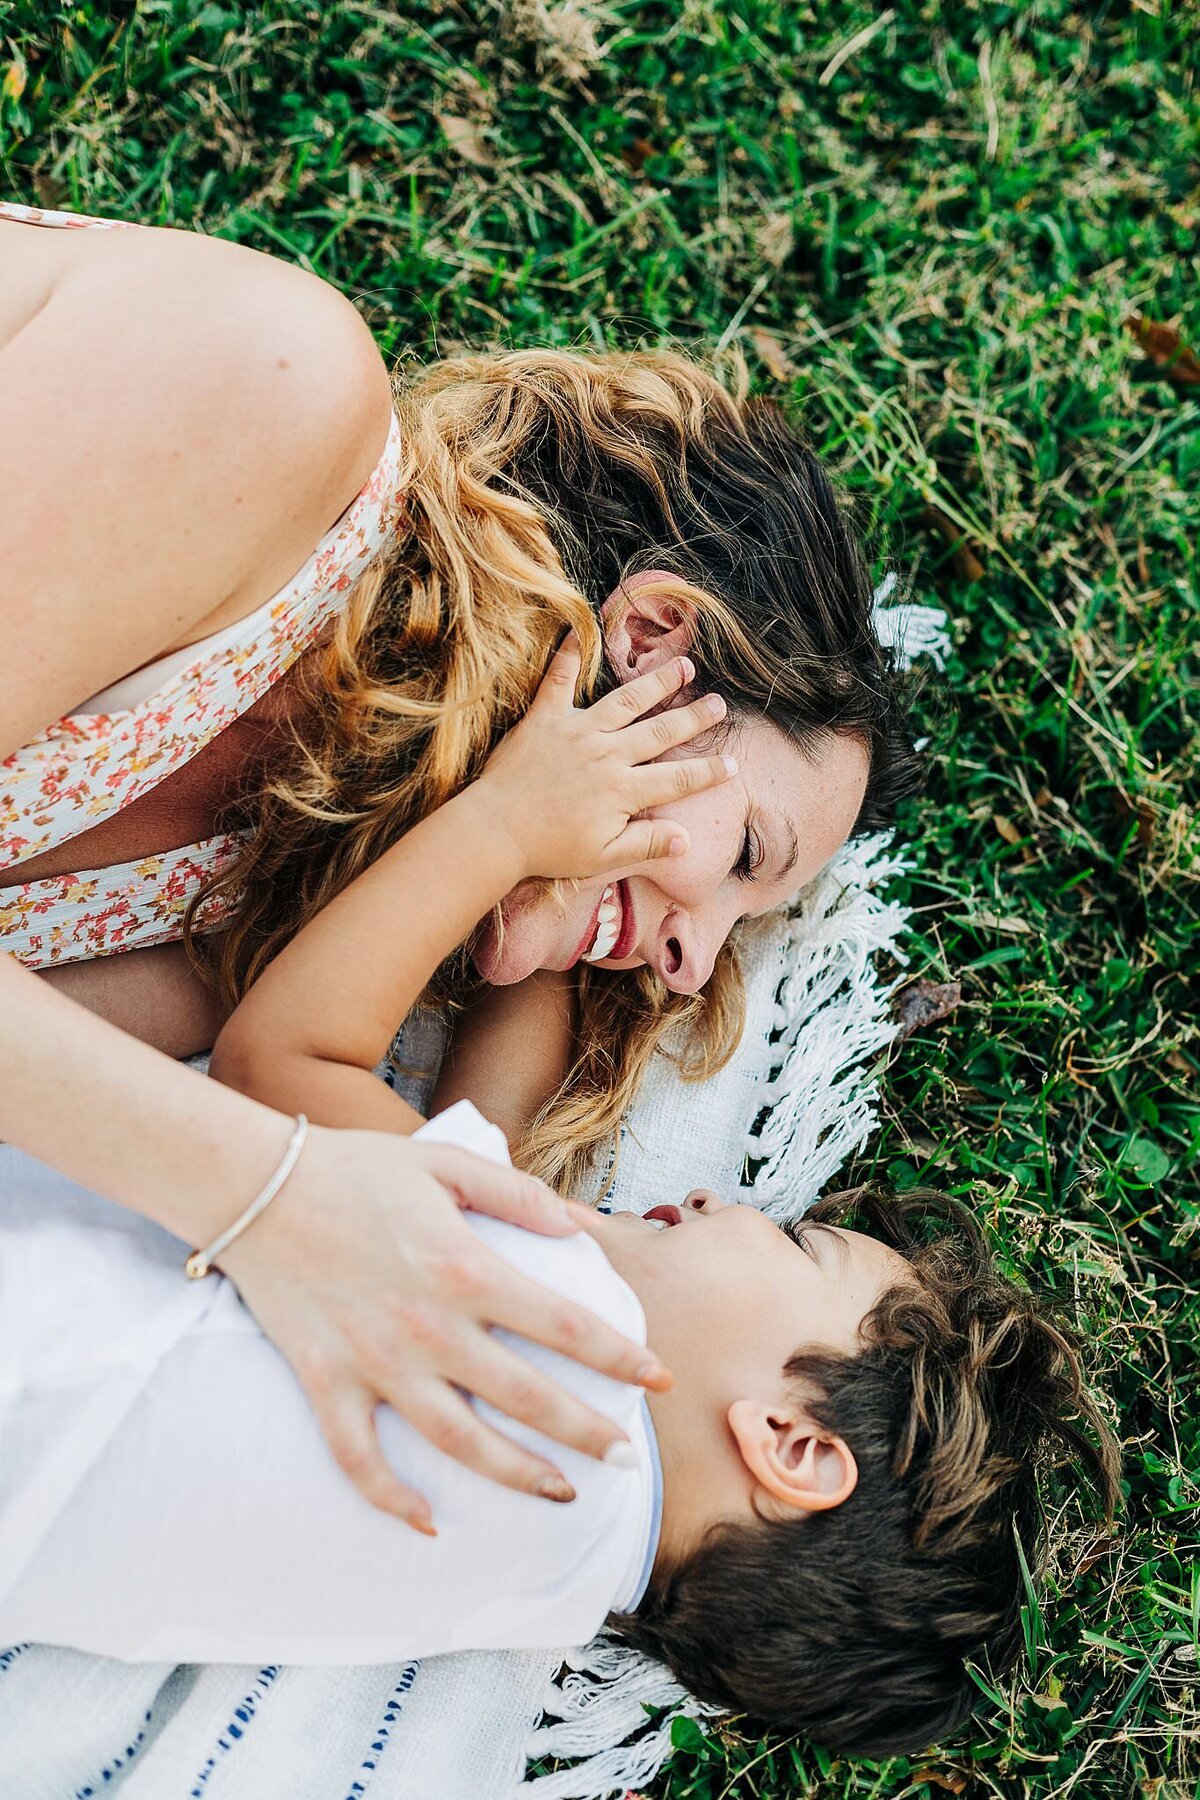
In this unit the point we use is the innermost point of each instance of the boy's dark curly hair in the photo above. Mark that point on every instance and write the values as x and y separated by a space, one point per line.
856 1625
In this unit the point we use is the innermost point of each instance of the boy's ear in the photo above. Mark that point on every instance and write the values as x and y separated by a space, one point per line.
645 626
793 1458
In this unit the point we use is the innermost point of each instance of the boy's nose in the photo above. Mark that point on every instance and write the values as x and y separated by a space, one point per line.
703 1200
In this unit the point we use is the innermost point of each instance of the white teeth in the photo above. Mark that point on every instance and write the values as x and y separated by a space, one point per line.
658 1224
608 927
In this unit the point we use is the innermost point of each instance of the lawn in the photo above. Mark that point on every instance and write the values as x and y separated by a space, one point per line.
928 228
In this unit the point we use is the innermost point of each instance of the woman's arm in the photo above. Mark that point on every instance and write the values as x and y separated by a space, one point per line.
179 423
511 1051
362 1271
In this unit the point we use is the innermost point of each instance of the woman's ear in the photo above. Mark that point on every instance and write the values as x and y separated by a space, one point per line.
646 624
791 1457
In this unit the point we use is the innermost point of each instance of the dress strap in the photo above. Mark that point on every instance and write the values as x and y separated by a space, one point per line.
89 766
65 221
133 906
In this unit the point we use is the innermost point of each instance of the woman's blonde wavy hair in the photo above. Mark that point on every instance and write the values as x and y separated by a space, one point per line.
534 482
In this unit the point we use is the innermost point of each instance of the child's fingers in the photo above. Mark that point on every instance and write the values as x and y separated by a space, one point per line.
558 684
660 783
633 698
670 730
647 840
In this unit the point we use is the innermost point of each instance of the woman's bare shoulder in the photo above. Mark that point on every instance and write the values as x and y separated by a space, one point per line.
184 419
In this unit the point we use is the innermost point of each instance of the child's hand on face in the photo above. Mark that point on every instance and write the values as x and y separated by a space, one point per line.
569 783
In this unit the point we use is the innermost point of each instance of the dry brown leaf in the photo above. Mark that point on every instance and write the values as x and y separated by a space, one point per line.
953 1784
463 137
1007 830
964 561
993 921
772 355
924 1003
775 238
1097 1550
637 154
1165 349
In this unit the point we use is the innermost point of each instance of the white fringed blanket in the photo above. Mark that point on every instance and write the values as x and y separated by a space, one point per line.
774 1127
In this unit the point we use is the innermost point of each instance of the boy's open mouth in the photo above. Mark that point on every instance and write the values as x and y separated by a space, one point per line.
613 926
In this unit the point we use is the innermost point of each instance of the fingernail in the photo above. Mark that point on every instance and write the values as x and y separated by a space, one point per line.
426 1527
715 704
554 1487
687 668
654 1375
621 1455
678 846
730 764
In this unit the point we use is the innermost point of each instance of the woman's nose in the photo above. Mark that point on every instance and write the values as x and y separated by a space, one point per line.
684 958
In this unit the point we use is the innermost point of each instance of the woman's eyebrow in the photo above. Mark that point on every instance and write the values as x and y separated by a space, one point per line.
788 831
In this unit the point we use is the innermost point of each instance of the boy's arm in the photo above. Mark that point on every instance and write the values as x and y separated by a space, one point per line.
312 1029
512 1050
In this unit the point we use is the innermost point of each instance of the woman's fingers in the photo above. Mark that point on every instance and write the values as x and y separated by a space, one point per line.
518 1304
440 1413
347 1417
492 1188
483 1366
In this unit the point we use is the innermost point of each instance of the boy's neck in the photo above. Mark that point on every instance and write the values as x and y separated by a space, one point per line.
704 1479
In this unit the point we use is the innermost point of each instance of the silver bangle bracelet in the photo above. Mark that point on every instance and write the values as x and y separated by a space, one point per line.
200 1262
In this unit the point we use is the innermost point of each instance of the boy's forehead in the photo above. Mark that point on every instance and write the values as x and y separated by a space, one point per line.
892 1269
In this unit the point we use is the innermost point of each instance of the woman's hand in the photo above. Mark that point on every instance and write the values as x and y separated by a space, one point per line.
568 783
372 1285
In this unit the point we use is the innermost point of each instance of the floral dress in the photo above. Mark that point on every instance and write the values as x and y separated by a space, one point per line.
88 766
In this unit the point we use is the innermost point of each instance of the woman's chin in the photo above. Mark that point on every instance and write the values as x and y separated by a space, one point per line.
504 960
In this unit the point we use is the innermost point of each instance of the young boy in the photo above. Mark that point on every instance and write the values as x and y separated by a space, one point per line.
815 1525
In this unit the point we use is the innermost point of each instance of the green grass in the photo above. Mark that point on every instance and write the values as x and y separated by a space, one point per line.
932 244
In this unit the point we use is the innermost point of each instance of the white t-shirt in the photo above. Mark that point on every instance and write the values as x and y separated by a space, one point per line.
166 1494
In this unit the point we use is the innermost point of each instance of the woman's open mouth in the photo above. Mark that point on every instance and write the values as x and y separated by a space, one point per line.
613 927
663 1216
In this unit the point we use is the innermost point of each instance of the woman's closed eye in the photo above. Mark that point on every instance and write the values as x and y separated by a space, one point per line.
749 860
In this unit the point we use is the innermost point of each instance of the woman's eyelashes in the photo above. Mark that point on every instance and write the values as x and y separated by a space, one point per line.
746 864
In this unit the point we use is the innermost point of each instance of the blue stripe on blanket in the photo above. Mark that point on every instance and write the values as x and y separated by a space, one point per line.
391 1713
118 1762
242 1715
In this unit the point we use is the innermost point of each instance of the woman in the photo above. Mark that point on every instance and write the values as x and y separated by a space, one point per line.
182 420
